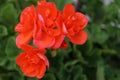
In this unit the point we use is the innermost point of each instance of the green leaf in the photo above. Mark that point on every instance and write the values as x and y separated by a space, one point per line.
32 78
8 14
49 76
112 73
80 77
77 69
70 65
63 74
3 31
3 57
109 51
111 11
3 61
61 3
98 35
11 50
77 73
78 54
11 65
86 48
2 1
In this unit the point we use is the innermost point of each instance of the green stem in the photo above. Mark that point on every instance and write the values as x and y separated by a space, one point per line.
100 70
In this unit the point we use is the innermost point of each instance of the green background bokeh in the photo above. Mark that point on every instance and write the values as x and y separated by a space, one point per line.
97 59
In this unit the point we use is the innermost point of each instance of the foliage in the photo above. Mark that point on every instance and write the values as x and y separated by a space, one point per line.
97 59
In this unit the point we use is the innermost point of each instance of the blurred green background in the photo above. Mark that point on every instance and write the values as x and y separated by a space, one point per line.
97 59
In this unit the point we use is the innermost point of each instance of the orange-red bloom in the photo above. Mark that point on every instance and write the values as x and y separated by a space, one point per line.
43 25
33 62
47 27
26 26
74 23
50 34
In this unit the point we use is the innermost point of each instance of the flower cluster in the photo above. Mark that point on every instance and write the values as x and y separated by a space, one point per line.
46 27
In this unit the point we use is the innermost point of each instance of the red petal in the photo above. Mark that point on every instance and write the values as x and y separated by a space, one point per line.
49 22
79 38
19 27
24 27
27 69
26 47
68 10
44 41
23 38
64 45
58 41
32 73
21 59
53 10
39 27
41 69
82 19
44 58
47 9
27 20
61 25
28 14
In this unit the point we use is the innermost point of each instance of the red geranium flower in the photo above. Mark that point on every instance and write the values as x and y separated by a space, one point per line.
64 45
49 28
74 23
26 26
33 62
